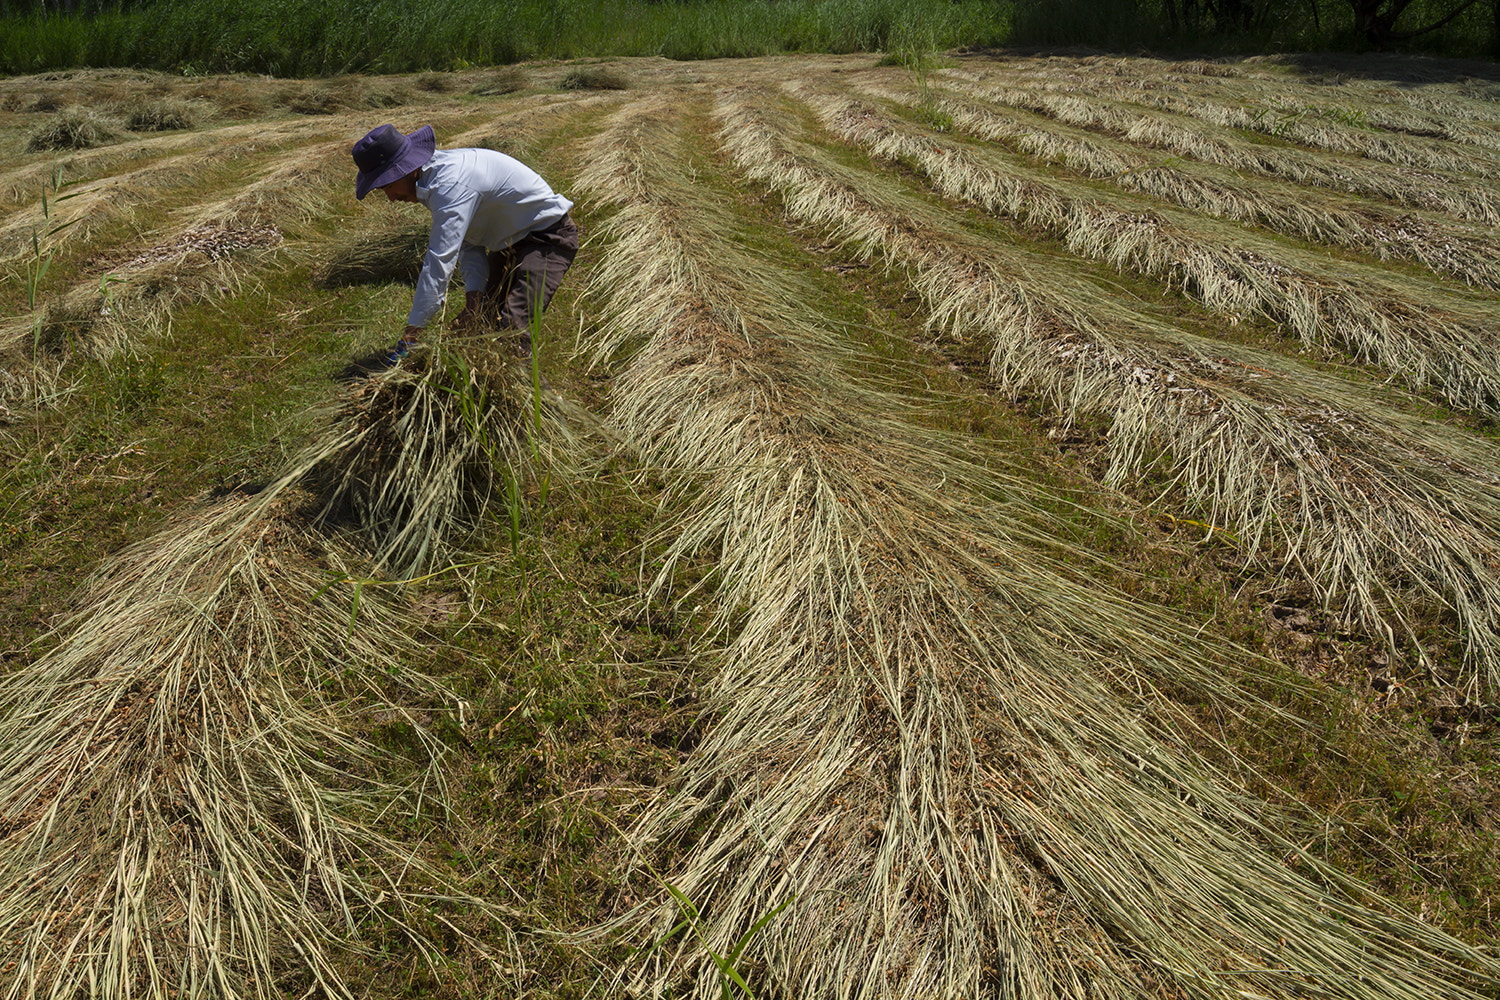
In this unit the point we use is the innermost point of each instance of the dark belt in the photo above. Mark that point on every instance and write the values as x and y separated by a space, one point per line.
554 225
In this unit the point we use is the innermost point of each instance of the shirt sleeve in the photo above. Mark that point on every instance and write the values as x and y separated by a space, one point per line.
450 221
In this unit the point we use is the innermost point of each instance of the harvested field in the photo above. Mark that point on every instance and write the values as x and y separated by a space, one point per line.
1016 527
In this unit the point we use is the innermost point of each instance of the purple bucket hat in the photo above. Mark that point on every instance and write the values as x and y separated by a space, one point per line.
385 155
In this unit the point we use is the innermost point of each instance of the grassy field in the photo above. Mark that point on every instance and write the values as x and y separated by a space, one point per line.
311 37
983 526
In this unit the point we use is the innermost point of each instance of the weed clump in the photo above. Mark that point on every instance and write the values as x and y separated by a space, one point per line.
75 128
435 83
161 116
593 78
505 81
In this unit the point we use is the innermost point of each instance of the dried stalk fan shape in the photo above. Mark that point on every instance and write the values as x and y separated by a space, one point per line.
179 794
1431 336
416 456
919 740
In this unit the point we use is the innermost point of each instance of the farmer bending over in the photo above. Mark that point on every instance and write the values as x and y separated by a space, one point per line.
492 215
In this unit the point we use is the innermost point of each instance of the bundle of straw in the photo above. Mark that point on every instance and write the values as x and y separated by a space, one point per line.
1425 333
415 457
940 747
1443 245
1452 194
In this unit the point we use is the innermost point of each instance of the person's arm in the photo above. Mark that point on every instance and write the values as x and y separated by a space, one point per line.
450 221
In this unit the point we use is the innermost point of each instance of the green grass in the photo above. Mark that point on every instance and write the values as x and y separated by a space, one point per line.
303 39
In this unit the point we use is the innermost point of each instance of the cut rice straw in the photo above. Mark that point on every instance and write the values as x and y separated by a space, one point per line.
1440 244
1453 195
184 807
1433 337
416 457
1287 110
1357 497
923 738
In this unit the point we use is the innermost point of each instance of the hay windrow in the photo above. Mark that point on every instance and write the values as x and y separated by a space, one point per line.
184 805
1351 121
1452 195
101 319
920 743
187 806
1442 245
189 261
1341 129
1429 336
128 303
1334 485
170 160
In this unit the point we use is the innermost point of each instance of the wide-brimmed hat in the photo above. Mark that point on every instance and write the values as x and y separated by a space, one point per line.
385 155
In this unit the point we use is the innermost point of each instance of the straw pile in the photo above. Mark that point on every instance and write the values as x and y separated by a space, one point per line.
942 748
417 456
187 804
1452 194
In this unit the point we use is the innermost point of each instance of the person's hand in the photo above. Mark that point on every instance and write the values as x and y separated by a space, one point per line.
410 336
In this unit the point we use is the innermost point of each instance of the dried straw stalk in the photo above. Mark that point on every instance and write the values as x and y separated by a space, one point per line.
1289 115
176 164
1440 244
414 458
1349 492
1287 109
185 810
1454 195
924 738
1429 335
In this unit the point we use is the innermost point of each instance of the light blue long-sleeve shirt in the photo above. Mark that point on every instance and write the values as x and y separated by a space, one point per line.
480 200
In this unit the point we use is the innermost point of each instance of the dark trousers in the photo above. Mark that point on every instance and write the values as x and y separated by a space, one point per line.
524 276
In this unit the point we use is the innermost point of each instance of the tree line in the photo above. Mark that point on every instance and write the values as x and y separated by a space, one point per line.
1373 24
1380 23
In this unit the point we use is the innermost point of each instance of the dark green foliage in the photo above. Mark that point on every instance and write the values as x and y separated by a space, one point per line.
1377 20
1442 27
319 37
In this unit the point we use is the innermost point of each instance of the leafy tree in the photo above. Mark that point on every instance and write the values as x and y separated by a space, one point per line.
1227 15
1376 19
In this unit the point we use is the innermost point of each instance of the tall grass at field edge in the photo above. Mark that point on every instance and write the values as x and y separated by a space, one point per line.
287 38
